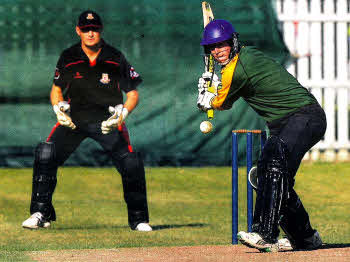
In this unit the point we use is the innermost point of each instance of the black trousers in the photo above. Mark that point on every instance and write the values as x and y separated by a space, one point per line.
67 140
117 146
300 131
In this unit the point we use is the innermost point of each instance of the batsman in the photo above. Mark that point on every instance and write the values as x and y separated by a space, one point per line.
87 97
295 120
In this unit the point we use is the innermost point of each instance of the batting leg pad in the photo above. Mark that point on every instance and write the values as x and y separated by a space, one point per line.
44 180
134 185
272 191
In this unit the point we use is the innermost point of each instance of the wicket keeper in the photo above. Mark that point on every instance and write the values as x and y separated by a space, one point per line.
87 98
295 120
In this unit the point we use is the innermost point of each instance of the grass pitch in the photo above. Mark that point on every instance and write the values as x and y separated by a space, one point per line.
187 206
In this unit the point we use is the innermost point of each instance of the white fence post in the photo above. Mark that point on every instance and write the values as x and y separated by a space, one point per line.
290 32
342 96
329 71
316 58
303 44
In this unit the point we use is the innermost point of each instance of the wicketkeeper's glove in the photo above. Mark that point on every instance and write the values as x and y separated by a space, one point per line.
62 112
119 114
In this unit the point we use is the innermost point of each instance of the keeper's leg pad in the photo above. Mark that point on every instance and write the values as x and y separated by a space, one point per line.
273 189
132 171
44 180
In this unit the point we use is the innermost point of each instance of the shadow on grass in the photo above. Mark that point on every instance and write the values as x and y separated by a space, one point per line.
328 246
79 227
154 227
162 227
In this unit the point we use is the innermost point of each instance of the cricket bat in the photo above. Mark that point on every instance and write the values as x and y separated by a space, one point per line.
208 59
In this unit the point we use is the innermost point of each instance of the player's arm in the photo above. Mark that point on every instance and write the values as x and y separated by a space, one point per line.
227 92
56 95
130 80
132 99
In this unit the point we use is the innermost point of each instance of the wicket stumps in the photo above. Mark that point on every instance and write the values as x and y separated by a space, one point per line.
249 163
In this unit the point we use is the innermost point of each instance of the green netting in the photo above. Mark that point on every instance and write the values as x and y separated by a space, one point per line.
161 40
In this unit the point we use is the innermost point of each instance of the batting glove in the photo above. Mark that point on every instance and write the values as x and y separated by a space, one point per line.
62 112
119 114
205 78
204 100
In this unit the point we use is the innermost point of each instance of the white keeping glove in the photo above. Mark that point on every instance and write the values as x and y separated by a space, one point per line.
119 114
62 113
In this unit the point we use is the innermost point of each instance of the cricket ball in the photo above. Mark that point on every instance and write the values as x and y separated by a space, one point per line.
206 127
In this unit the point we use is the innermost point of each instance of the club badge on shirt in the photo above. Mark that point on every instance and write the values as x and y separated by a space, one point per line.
133 73
105 78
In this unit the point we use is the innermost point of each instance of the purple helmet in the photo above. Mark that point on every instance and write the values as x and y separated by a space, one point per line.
217 31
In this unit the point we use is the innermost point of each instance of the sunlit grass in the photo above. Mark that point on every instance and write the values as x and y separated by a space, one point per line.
188 206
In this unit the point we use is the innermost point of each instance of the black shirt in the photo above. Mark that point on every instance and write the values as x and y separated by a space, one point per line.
90 87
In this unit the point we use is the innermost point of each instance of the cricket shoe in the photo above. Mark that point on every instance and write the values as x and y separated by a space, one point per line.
284 244
36 221
144 227
311 243
254 240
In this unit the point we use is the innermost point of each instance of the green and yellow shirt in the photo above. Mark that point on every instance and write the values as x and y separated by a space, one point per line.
263 83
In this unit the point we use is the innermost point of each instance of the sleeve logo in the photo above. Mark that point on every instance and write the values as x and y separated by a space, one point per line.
57 74
133 73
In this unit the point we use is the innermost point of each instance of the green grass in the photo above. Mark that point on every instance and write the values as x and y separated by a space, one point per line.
13 256
188 206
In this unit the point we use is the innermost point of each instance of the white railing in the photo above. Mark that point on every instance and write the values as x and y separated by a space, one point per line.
317 34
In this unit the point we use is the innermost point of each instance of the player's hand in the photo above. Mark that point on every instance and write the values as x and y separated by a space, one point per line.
62 113
204 100
205 93
205 78
119 114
